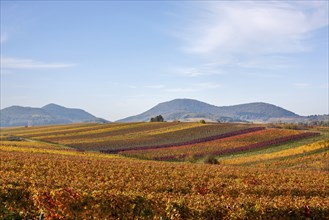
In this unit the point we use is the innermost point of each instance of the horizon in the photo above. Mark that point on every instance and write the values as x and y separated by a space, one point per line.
154 106
118 59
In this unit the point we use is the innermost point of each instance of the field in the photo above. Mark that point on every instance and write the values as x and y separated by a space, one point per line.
263 173
122 136
232 144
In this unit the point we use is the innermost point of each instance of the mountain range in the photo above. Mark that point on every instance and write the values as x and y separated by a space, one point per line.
190 110
49 114
174 110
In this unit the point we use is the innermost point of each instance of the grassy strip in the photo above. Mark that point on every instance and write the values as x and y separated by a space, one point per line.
64 131
69 152
318 151
45 128
51 143
262 144
22 144
105 131
273 148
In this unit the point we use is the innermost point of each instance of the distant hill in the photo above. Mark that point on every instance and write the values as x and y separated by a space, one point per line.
189 109
72 114
49 114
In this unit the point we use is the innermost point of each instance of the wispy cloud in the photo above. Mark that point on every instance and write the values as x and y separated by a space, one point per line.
187 88
14 63
197 87
188 71
324 86
132 87
250 34
309 86
6 72
155 87
181 90
266 62
262 75
3 38
201 70
301 85
253 27
208 85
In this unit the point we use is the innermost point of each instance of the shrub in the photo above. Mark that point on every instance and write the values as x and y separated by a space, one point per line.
13 138
192 159
211 160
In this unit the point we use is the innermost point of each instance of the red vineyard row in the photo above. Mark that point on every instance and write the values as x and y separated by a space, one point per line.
243 148
195 141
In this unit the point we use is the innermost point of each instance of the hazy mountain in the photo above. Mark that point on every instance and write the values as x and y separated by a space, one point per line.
49 114
72 114
187 109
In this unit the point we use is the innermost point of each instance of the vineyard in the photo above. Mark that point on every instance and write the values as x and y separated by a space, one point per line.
114 137
232 144
263 173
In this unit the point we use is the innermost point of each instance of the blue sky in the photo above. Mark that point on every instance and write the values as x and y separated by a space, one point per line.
117 59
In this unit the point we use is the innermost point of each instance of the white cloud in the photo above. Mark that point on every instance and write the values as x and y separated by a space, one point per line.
201 70
252 27
301 85
14 63
309 86
155 86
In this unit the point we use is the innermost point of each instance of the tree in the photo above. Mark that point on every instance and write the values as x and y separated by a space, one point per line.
158 118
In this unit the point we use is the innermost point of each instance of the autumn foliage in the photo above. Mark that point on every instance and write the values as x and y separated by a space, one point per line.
56 181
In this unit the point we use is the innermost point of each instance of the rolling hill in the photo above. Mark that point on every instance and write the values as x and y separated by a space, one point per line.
49 114
189 109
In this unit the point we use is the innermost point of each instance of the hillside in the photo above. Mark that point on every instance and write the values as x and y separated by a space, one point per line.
49 114
113 137
72 114
186 109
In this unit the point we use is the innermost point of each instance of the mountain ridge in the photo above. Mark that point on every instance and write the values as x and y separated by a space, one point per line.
47 115
173 110
186 109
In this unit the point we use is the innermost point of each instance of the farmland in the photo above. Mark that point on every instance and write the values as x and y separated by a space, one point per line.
123 136
263 173
221 146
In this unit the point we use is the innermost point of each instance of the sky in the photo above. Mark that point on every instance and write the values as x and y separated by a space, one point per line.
115 59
